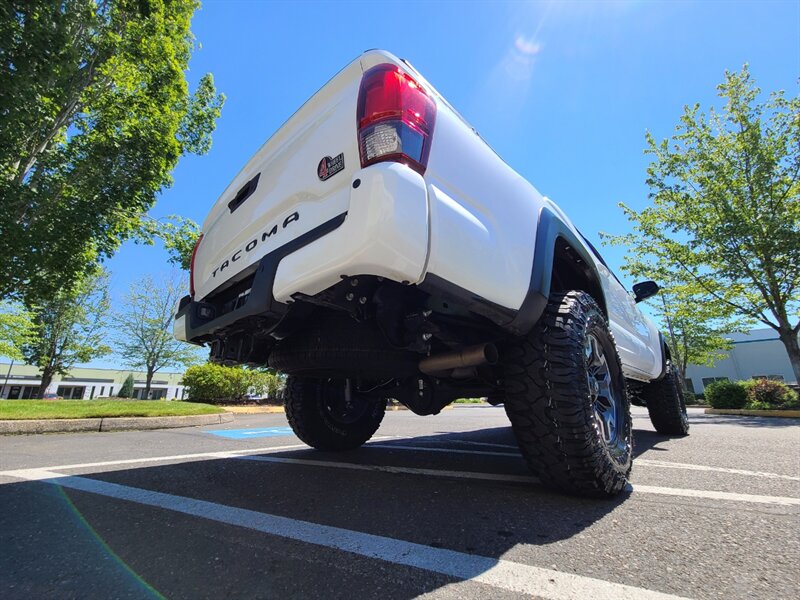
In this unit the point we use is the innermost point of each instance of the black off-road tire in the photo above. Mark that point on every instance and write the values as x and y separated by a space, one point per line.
666 404
309 410
548 400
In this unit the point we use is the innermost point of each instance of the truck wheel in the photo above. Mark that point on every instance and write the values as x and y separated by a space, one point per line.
567 400
666 404
320 415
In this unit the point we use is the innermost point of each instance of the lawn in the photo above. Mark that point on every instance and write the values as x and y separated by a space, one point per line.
82 409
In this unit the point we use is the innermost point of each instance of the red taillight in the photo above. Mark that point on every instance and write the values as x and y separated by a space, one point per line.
395 118
191 265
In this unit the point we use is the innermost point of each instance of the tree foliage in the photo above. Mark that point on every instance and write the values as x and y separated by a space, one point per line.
68 328
96 112
725 216
695 327
16 330
178 234
126 391
695 332
144 328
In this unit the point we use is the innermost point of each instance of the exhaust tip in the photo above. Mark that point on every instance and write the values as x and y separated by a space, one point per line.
491 354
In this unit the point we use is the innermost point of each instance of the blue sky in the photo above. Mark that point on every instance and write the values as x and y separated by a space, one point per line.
563 91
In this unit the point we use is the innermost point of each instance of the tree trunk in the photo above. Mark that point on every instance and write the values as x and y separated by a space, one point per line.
682 372
789 339
47 379
147 383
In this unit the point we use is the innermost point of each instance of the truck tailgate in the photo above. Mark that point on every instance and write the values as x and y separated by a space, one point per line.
299 179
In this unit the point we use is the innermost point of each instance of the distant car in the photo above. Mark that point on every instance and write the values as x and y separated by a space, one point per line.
52 396
253 397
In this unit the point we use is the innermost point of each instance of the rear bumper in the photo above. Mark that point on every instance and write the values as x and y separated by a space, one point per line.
198 321
383 233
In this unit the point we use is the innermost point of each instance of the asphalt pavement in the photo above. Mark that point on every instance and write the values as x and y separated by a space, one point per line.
433 507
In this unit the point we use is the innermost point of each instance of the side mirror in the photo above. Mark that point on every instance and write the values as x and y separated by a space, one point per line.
645 290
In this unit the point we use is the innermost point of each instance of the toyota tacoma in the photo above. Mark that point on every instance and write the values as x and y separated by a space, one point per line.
376 248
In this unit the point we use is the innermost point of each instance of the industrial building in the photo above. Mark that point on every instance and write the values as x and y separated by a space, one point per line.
755 354
23 381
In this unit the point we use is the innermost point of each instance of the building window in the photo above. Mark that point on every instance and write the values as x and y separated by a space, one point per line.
30 391
770 377
71 392
688 385
709 380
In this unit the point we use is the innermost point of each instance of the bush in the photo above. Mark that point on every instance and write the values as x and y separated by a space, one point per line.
766 394
126 391
690 398
726 394
217 384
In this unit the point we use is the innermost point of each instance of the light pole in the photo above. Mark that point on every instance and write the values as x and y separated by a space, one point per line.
8 374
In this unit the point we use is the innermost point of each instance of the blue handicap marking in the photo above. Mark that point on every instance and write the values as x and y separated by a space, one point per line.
244 434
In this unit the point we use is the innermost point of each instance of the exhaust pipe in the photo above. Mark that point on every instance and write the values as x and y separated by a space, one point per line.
473 356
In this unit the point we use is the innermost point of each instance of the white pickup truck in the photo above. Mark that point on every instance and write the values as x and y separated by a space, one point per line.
376 248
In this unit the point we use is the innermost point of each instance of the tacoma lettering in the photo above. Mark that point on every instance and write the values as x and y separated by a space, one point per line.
252 244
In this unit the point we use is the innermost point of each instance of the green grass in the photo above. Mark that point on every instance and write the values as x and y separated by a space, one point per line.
83 409
468 401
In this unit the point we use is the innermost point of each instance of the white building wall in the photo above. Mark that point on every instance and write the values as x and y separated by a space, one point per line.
758 353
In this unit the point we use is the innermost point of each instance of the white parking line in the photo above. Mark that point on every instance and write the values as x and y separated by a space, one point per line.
637 489
643 462
471 443
499 573
157 459
690 467
444 450
389 469
256 454
712 495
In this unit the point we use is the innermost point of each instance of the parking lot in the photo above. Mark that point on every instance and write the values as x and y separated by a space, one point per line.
439 507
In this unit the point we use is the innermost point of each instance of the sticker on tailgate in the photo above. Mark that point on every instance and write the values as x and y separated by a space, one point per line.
328 167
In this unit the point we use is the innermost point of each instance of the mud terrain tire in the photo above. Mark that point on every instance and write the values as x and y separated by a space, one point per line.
666 404
554 404
318 415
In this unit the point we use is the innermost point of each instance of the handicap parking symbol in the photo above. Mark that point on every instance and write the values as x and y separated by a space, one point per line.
244 434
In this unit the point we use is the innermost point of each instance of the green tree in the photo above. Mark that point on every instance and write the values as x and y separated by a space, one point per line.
695 328
16 329
144 328
725 215
178 234
126 391
96 111
696 335
68 329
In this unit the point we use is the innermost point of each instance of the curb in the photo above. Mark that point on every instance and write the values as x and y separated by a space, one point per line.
787 414
253 410
30 426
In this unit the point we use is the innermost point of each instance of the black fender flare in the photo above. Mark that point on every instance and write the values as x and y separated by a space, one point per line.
666 355
550 229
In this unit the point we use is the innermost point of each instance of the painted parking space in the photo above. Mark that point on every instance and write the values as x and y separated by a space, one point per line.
246 434
237 510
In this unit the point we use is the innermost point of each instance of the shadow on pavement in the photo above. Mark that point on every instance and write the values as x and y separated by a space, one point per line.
67 543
